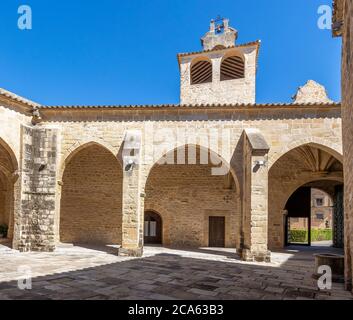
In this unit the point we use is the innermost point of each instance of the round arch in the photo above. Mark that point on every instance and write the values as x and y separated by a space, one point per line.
300 210
232 66
294 169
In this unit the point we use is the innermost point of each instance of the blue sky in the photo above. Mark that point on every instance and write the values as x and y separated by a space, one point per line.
124 52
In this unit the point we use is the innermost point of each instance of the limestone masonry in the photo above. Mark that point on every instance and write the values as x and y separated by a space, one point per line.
215 170
342 26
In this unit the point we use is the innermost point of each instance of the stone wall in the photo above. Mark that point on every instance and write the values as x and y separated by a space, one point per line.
185 196
217 129
47 152
12 116
34 218
347 115
220 92
91 198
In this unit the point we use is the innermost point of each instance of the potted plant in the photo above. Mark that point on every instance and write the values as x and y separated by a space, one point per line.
3 231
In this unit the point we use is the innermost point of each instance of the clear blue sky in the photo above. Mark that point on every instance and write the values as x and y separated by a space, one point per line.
124 52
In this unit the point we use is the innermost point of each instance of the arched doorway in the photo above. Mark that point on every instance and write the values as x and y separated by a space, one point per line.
91 197
309 166
314 215
199 206
8 167
153 228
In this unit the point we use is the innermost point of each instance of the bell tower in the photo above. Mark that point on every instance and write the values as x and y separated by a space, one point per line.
220 35
223 72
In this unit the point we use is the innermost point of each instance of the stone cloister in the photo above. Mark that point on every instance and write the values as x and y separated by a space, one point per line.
217 169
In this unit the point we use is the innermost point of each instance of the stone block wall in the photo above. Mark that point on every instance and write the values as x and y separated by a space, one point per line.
34 221
238 91
347 116
186 196
91 198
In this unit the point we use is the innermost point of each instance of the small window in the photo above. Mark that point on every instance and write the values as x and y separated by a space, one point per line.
201 72
319 202
232 68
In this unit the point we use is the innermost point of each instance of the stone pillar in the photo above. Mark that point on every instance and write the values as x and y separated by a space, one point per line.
254 246
132 224
35 208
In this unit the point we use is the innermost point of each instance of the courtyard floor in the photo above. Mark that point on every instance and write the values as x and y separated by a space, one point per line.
77 272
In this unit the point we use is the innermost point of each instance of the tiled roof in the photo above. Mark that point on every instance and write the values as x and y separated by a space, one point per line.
258 42
16 98
197 106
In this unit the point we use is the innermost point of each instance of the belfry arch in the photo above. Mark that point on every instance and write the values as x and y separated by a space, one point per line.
306 166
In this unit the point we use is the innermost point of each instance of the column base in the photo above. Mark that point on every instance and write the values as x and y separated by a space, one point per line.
249 256
130 252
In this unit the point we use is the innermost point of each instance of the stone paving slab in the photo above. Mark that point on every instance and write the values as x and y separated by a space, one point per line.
72 273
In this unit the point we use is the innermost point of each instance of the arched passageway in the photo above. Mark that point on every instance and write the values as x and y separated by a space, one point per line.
8 166
91 200
314 215
199 206
307 167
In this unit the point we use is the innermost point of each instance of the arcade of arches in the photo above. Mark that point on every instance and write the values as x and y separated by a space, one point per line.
183 200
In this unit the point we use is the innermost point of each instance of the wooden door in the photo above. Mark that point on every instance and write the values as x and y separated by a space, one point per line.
217 232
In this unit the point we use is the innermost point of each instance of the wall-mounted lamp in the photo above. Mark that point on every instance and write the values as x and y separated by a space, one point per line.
260 163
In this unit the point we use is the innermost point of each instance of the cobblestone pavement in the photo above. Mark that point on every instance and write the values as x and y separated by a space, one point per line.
97 273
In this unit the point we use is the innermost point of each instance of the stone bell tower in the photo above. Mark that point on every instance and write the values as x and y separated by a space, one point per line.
223 72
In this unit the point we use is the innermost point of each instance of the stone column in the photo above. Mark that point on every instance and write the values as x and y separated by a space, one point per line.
254 246
35 205
132 224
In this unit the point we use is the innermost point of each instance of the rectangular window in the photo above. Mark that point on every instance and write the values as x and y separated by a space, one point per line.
320 216
319 202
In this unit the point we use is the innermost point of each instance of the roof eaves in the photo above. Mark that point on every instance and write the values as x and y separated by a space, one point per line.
17 98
